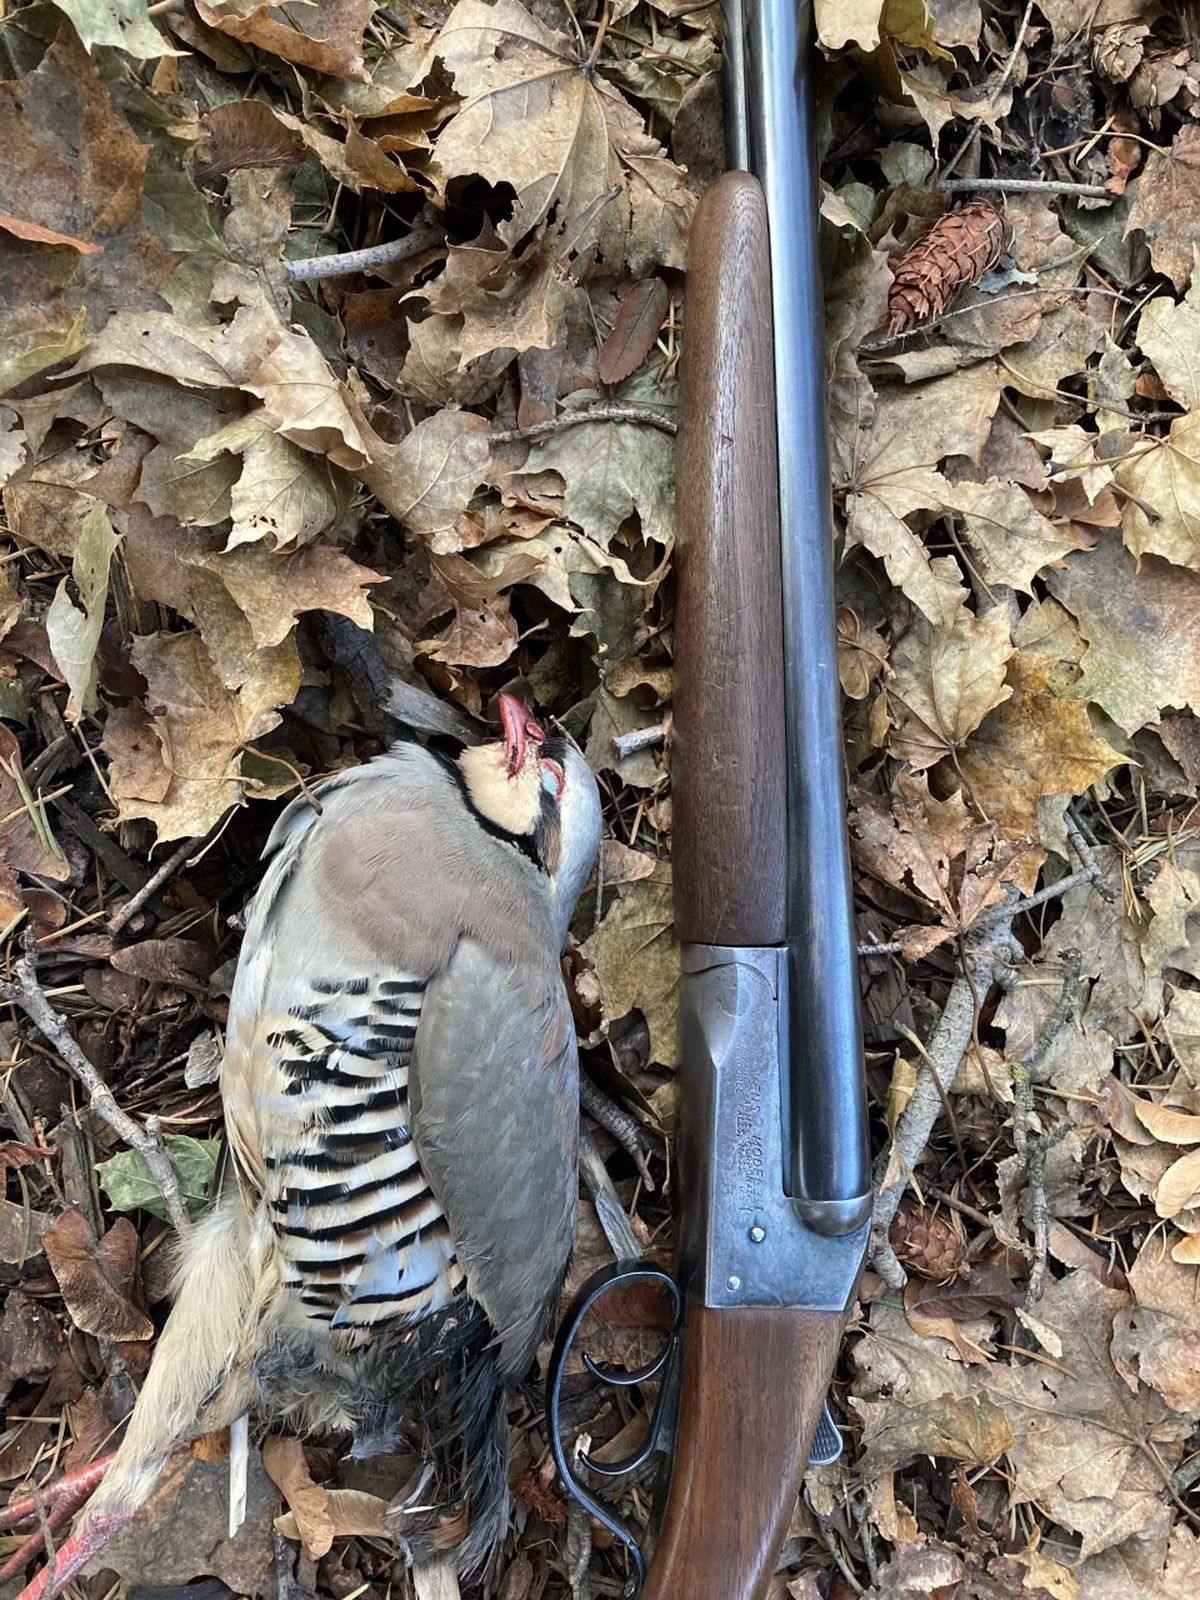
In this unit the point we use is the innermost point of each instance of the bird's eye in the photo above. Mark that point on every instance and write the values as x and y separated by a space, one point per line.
553 778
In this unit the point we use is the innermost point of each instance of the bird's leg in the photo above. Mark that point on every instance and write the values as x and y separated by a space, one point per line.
57 1504
74 1554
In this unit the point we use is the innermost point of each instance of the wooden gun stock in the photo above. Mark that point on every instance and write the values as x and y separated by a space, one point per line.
753 1384
754 1377
730 782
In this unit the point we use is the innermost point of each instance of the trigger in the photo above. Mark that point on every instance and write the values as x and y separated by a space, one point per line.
826 1446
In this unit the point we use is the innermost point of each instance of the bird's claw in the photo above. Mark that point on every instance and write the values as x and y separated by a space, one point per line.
54 1506
74 1554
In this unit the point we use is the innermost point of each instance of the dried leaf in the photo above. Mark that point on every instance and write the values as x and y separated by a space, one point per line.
1165 198
945 682
1179 1186
610 470
183 1530
636 958
586 175
635 330
1158 1338
303 401
282 494
95 1302
985 1288
1036 745
1172 1127
1143 648
74 634
434 471
1163 477
36 234
201 729
353 1513
1169 336
843 22
121 24
26 836
308 1501
271 591
326 37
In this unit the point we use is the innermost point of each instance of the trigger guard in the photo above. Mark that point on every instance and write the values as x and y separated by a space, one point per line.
590 1293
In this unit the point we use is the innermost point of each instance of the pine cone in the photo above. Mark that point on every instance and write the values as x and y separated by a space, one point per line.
928 1245
957 250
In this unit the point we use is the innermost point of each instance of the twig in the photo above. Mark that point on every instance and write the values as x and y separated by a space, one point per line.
1000 83
351 261
27 993
1091 191
833 1545
573 419
628 1132
1052 891
1087 859
618 1230
168 870
628 744
1032 1148
892 948
948 1044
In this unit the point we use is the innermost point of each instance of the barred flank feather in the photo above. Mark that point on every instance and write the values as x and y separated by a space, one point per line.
401 1105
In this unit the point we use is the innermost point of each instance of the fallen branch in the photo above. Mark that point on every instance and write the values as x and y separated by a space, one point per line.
618 1230
28 994
1087 859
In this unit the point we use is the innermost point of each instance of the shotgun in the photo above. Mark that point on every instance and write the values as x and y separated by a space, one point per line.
773 1156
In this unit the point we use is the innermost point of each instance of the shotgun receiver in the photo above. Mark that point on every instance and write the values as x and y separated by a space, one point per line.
773 1160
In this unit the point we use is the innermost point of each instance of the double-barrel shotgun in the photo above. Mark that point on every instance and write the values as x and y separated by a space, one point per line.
773 1156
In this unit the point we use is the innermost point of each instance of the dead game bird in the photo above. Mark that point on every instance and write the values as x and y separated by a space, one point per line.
401 1105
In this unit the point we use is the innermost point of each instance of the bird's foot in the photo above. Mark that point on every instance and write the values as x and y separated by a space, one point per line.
74 1554
54 1506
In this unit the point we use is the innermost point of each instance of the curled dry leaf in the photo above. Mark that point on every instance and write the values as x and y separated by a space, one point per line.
1179 1186
326 37
73 634
95 1277
307 1500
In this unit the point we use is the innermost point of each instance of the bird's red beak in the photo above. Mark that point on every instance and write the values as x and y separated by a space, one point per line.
519 728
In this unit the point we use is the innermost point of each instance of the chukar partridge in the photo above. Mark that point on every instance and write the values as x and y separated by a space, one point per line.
401 1101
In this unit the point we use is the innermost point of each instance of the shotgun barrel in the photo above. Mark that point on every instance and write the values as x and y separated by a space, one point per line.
773 1158
773 1148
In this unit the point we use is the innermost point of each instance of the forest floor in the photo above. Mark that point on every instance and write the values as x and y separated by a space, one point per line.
261 502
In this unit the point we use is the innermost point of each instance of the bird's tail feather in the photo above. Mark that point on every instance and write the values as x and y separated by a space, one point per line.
465 1507
482 1416
196 1353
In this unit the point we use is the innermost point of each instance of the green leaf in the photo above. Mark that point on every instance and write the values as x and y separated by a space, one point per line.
126 1180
